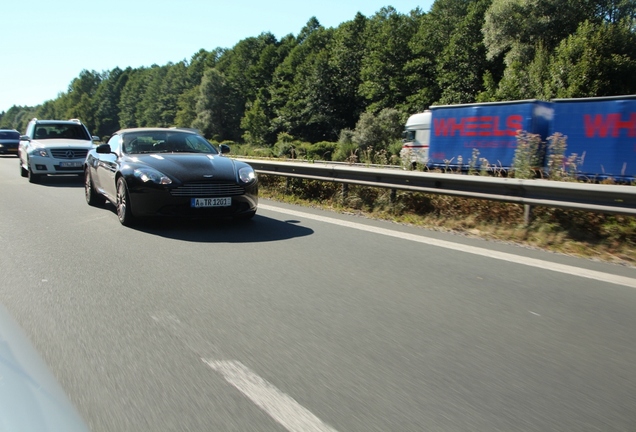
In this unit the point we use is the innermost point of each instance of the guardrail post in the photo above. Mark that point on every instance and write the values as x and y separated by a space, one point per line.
527 214
345 192
393 196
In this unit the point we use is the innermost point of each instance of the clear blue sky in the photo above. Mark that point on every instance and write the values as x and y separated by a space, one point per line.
46 44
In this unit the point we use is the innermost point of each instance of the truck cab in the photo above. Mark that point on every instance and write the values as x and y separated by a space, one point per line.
416 139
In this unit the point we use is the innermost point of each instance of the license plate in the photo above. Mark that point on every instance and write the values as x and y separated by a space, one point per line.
210 202
70 164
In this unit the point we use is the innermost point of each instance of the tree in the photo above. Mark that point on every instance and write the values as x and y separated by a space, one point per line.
595 61
258 122
173 86
150 104
385 82
79 101
130 112
107 100
216 108
516 28
377 132
346 51
255 123
433 32
615 11
295 100
462 64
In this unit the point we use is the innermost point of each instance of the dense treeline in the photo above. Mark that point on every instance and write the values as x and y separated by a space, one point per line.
338 84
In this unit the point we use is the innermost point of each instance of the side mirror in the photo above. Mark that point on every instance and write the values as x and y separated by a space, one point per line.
95 138
224 148
103 149
24 138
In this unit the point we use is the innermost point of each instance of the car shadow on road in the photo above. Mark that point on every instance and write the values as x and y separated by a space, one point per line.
258 229
62 181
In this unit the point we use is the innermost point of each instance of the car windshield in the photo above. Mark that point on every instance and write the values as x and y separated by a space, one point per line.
165 142
7 135
61 130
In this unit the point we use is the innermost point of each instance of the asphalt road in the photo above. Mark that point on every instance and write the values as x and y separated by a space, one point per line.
303 320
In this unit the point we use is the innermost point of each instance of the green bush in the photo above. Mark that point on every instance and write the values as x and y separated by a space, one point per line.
323 150
346 152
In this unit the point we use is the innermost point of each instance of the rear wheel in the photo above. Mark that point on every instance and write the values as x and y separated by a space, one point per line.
92 197
123 203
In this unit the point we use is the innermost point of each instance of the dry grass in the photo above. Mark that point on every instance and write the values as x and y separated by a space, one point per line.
609 238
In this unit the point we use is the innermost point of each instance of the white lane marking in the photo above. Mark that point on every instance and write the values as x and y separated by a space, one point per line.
282 408
531 262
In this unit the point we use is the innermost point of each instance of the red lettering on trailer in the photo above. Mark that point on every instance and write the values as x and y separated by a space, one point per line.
497 131
514 124
483 126
609 125
470 123
445 127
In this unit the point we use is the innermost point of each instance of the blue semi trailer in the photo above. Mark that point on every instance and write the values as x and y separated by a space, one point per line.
600 131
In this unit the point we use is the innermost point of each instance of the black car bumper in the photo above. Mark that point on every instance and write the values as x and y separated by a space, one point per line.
152 201
9 149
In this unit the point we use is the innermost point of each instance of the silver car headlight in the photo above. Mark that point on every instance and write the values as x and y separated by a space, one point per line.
152 175
38 152
247 174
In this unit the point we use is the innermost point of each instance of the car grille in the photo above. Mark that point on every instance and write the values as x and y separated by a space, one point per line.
69 154
208 190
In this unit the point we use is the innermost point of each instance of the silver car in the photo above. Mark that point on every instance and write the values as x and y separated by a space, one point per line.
54 147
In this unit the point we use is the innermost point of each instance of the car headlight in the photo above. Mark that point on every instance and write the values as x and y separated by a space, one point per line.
38 152
247 174
152 175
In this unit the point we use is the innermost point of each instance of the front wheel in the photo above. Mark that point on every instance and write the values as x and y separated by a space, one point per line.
124 212
33 178
23 171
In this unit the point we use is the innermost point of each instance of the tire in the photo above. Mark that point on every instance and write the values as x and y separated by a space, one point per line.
23 171
92 197
124 212
33 178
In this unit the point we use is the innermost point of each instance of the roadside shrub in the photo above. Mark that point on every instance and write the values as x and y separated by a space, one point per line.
346 152
323 150
527 159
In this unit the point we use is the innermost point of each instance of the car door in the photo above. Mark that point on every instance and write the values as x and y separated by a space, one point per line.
25 143
107 168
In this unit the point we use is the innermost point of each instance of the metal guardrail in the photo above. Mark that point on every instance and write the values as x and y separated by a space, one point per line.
616 199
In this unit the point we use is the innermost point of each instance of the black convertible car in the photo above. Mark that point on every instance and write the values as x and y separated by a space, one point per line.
168 172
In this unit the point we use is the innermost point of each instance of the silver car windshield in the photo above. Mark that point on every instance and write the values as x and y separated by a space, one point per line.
61 130
165 142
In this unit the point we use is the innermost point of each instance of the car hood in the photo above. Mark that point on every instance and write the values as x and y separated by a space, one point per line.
188 167
62 143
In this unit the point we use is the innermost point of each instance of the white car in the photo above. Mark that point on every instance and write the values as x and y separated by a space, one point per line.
54 147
